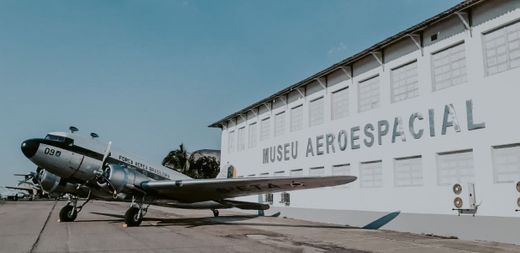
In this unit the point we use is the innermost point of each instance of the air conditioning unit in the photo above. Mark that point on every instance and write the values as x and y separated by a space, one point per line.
286 198
269 198
465 200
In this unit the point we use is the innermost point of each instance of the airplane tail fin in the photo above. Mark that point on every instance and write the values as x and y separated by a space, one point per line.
382 221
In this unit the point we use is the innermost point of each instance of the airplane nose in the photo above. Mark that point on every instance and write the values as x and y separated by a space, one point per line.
29 147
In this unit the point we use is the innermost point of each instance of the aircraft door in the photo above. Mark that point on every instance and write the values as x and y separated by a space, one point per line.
75 161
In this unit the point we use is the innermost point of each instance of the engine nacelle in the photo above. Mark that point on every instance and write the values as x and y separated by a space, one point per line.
124 179
48 181
55 184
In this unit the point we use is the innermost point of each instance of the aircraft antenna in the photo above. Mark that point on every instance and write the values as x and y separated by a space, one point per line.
73 129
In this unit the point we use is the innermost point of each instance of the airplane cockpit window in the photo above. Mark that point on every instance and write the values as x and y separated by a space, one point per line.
55 138
65 140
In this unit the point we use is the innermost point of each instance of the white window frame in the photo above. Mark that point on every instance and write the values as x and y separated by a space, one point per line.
507 44
410 85
317 171
413 181
454 80
514 176
363 175
265 122
231 141
279 124
252 135
334 110
377 93
241 138
313 119
456 174
299 126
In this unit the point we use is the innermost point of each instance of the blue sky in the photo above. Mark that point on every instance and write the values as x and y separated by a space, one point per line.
150 75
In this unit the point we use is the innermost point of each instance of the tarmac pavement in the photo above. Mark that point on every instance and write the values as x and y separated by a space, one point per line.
32 226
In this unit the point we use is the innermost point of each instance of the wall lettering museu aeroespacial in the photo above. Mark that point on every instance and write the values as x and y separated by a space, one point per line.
376 133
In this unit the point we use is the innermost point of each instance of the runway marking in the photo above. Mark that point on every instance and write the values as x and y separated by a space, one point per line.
35 244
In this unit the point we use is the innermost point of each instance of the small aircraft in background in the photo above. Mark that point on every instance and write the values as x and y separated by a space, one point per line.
87 168
11 194
29 185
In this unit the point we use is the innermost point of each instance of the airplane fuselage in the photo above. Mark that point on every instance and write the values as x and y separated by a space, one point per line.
85 167
76 160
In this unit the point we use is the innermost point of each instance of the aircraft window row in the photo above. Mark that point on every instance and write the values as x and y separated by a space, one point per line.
65 140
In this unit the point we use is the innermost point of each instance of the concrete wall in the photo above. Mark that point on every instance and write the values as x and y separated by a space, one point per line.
495 102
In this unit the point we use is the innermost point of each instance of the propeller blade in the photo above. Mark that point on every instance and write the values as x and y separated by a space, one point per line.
27 176
38 176
101 176
106 155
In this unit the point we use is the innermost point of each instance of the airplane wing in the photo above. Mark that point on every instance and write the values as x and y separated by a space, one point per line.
195 190
19 188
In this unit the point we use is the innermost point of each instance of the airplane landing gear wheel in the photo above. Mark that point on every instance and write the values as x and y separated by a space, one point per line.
133 217
215 212
68 213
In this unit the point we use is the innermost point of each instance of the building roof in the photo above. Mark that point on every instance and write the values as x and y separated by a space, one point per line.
350 60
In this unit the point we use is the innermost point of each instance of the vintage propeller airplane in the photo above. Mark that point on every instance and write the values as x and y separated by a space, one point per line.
29 185
87 168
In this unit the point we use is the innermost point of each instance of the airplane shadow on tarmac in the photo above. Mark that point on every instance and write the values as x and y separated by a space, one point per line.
208 221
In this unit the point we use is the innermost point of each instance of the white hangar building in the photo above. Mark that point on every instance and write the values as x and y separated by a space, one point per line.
428 120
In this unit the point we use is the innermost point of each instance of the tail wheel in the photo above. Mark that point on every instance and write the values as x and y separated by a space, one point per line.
133 217
215 212
68 213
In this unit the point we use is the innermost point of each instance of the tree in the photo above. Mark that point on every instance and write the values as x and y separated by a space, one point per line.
178 160
204 167
199 168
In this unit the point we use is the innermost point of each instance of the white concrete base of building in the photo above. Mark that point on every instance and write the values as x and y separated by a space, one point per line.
467 227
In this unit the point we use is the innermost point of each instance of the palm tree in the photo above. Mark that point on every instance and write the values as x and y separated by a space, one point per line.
193 166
